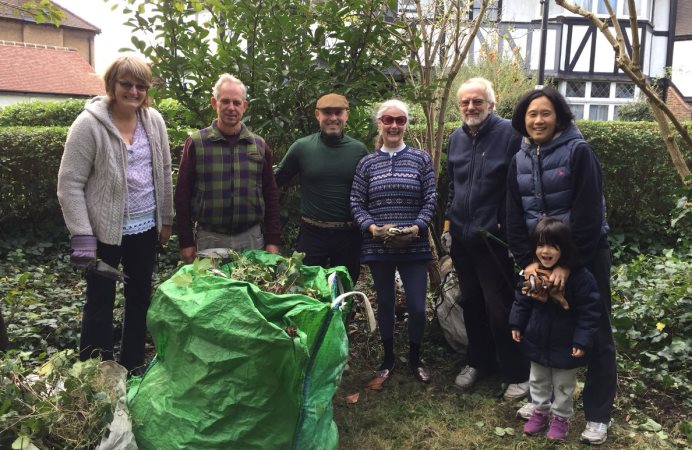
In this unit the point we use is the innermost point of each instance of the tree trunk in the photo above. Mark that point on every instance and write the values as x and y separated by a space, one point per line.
4 340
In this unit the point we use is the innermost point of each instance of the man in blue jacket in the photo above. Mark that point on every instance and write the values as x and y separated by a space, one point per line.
478 155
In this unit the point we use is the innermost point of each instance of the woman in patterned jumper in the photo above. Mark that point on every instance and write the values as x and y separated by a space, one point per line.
393 200
116 194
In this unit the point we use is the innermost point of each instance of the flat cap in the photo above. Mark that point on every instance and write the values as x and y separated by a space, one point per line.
332 101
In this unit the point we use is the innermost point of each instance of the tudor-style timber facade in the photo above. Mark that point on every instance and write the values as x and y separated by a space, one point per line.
582 61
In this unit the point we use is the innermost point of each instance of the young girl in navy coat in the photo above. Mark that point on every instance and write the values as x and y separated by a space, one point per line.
556 335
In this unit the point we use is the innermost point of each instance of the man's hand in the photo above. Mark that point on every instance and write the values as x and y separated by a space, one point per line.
271 248
165 234
83 251
187 254
516 335
558 278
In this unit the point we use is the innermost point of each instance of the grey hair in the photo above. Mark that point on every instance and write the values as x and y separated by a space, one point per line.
228 78
487 85
393 103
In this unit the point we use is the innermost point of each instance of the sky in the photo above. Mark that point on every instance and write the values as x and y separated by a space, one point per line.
114 35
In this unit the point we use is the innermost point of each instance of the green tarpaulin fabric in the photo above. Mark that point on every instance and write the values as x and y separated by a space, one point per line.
237 367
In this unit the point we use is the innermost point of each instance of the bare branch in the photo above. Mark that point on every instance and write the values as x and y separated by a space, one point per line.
634 26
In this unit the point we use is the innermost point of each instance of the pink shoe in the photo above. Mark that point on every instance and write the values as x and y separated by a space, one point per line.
558 429
537 423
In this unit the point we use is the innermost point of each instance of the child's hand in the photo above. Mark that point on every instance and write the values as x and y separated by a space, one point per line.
577 352
516 335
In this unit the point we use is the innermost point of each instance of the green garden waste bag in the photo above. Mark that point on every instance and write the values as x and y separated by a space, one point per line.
240 368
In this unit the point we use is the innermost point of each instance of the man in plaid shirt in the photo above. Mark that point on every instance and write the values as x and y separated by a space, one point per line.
226 196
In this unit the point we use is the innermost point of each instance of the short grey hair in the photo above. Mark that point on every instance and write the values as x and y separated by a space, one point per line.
487 85
228 78
393 103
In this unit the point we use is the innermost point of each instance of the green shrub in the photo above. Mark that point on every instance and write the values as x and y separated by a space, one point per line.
652 323
41 113
636 111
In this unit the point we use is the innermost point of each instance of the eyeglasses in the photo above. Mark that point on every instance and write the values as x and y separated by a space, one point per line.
127 86
388 120
474 102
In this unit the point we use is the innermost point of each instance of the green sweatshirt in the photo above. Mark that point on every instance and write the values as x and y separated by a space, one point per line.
326 166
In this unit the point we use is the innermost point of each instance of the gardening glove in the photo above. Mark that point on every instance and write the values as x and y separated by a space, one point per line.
83 251
380 233
399 238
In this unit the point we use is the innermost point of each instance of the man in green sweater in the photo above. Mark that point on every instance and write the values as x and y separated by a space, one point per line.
325 162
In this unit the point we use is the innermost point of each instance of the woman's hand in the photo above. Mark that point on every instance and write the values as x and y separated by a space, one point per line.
165 234
577 352
558 278
516 335
530 270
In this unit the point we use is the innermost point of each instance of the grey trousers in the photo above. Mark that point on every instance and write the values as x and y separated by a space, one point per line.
546 382
251 239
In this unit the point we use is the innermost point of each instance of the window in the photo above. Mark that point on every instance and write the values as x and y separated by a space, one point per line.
598 112
600 89
624 90
578 111
576 89
492 14
616 112
602 6
555 9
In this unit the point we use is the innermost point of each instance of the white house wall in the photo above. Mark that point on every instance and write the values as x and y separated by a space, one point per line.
662 14
682 67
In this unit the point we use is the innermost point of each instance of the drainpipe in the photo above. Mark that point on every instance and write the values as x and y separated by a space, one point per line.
544 36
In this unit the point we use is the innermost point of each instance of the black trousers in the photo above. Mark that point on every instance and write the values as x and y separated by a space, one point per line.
600 385
327 247
486 280
138 254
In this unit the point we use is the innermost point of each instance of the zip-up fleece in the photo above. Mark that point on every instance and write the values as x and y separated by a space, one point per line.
477 166
92 180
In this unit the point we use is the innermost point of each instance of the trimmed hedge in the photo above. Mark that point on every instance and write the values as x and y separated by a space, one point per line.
37 113
640 182
41 113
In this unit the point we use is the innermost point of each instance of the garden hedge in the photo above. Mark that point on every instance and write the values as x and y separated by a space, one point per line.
640 182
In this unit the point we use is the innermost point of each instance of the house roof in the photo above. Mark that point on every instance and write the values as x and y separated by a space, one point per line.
12 9
43 69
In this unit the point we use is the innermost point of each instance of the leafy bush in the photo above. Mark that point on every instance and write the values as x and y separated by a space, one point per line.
41 113
636 111
29 162
652 320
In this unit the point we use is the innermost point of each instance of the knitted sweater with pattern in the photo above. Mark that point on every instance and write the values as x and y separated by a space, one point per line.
398 190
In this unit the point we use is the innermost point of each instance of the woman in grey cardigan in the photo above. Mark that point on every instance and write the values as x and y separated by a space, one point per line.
115 190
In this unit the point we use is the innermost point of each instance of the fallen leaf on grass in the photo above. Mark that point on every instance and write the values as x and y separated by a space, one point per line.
504 431
353 398
376 384
479 424
649 425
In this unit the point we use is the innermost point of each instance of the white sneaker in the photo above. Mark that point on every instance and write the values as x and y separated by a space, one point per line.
595 433
516 391
525 411
467 377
